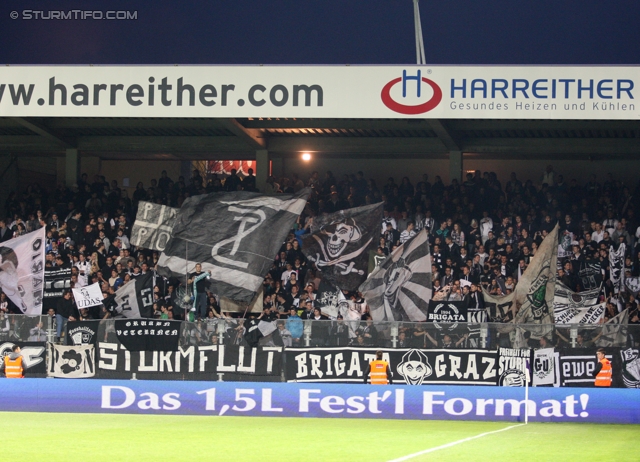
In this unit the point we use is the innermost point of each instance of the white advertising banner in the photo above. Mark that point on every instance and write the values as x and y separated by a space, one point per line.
370 92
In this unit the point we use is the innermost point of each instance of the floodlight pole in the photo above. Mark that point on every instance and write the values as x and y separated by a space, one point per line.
420 59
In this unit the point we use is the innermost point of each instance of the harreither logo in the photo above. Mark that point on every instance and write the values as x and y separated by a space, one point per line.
411 109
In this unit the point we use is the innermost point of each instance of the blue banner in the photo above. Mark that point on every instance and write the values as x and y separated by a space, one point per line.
321 400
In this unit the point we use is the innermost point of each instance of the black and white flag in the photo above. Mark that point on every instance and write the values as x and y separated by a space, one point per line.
339 244
71 362
257 329
565 248
630 368
446 314
22 271
56 281
153 225
148 334
82 332
134 299
616 267
590 274
88 296
400 288
476 317
535 290
234 235
514 367
499 309
544 367
632 285
328 298
614 331
571 307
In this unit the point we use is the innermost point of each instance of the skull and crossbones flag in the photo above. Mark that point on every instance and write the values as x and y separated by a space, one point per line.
339 244
233 235
400 288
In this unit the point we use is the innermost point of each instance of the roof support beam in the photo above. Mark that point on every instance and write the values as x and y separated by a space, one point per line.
444 135
252 137
44 132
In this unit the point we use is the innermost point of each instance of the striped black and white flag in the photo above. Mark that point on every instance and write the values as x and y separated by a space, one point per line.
153 225
233 235
400 288
339 244
134 299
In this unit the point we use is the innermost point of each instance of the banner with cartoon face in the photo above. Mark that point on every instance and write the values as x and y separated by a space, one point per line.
71 362
408 365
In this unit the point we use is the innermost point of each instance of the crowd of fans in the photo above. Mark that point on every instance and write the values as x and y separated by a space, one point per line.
483 234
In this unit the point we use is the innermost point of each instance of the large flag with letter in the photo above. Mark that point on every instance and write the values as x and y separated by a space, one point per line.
339 244
153 225
571 307
22 271
536 288
134 299
88 296
400 288
234 235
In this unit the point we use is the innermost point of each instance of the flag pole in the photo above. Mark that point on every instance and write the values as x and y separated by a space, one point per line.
186 277
526 394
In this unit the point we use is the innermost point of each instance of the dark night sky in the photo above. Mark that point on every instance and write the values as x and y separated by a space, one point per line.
326 32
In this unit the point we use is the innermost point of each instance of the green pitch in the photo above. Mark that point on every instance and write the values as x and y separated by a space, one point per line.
100 437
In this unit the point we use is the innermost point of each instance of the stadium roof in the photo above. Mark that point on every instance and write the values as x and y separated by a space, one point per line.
217 138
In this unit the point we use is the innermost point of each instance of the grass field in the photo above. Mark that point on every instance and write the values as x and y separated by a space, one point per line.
100 437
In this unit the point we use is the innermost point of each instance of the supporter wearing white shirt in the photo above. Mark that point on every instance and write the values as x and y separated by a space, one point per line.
84 268
598 234
286 274
486 225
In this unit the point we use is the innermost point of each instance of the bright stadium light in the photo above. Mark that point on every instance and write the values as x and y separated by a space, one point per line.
306 156
420 59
